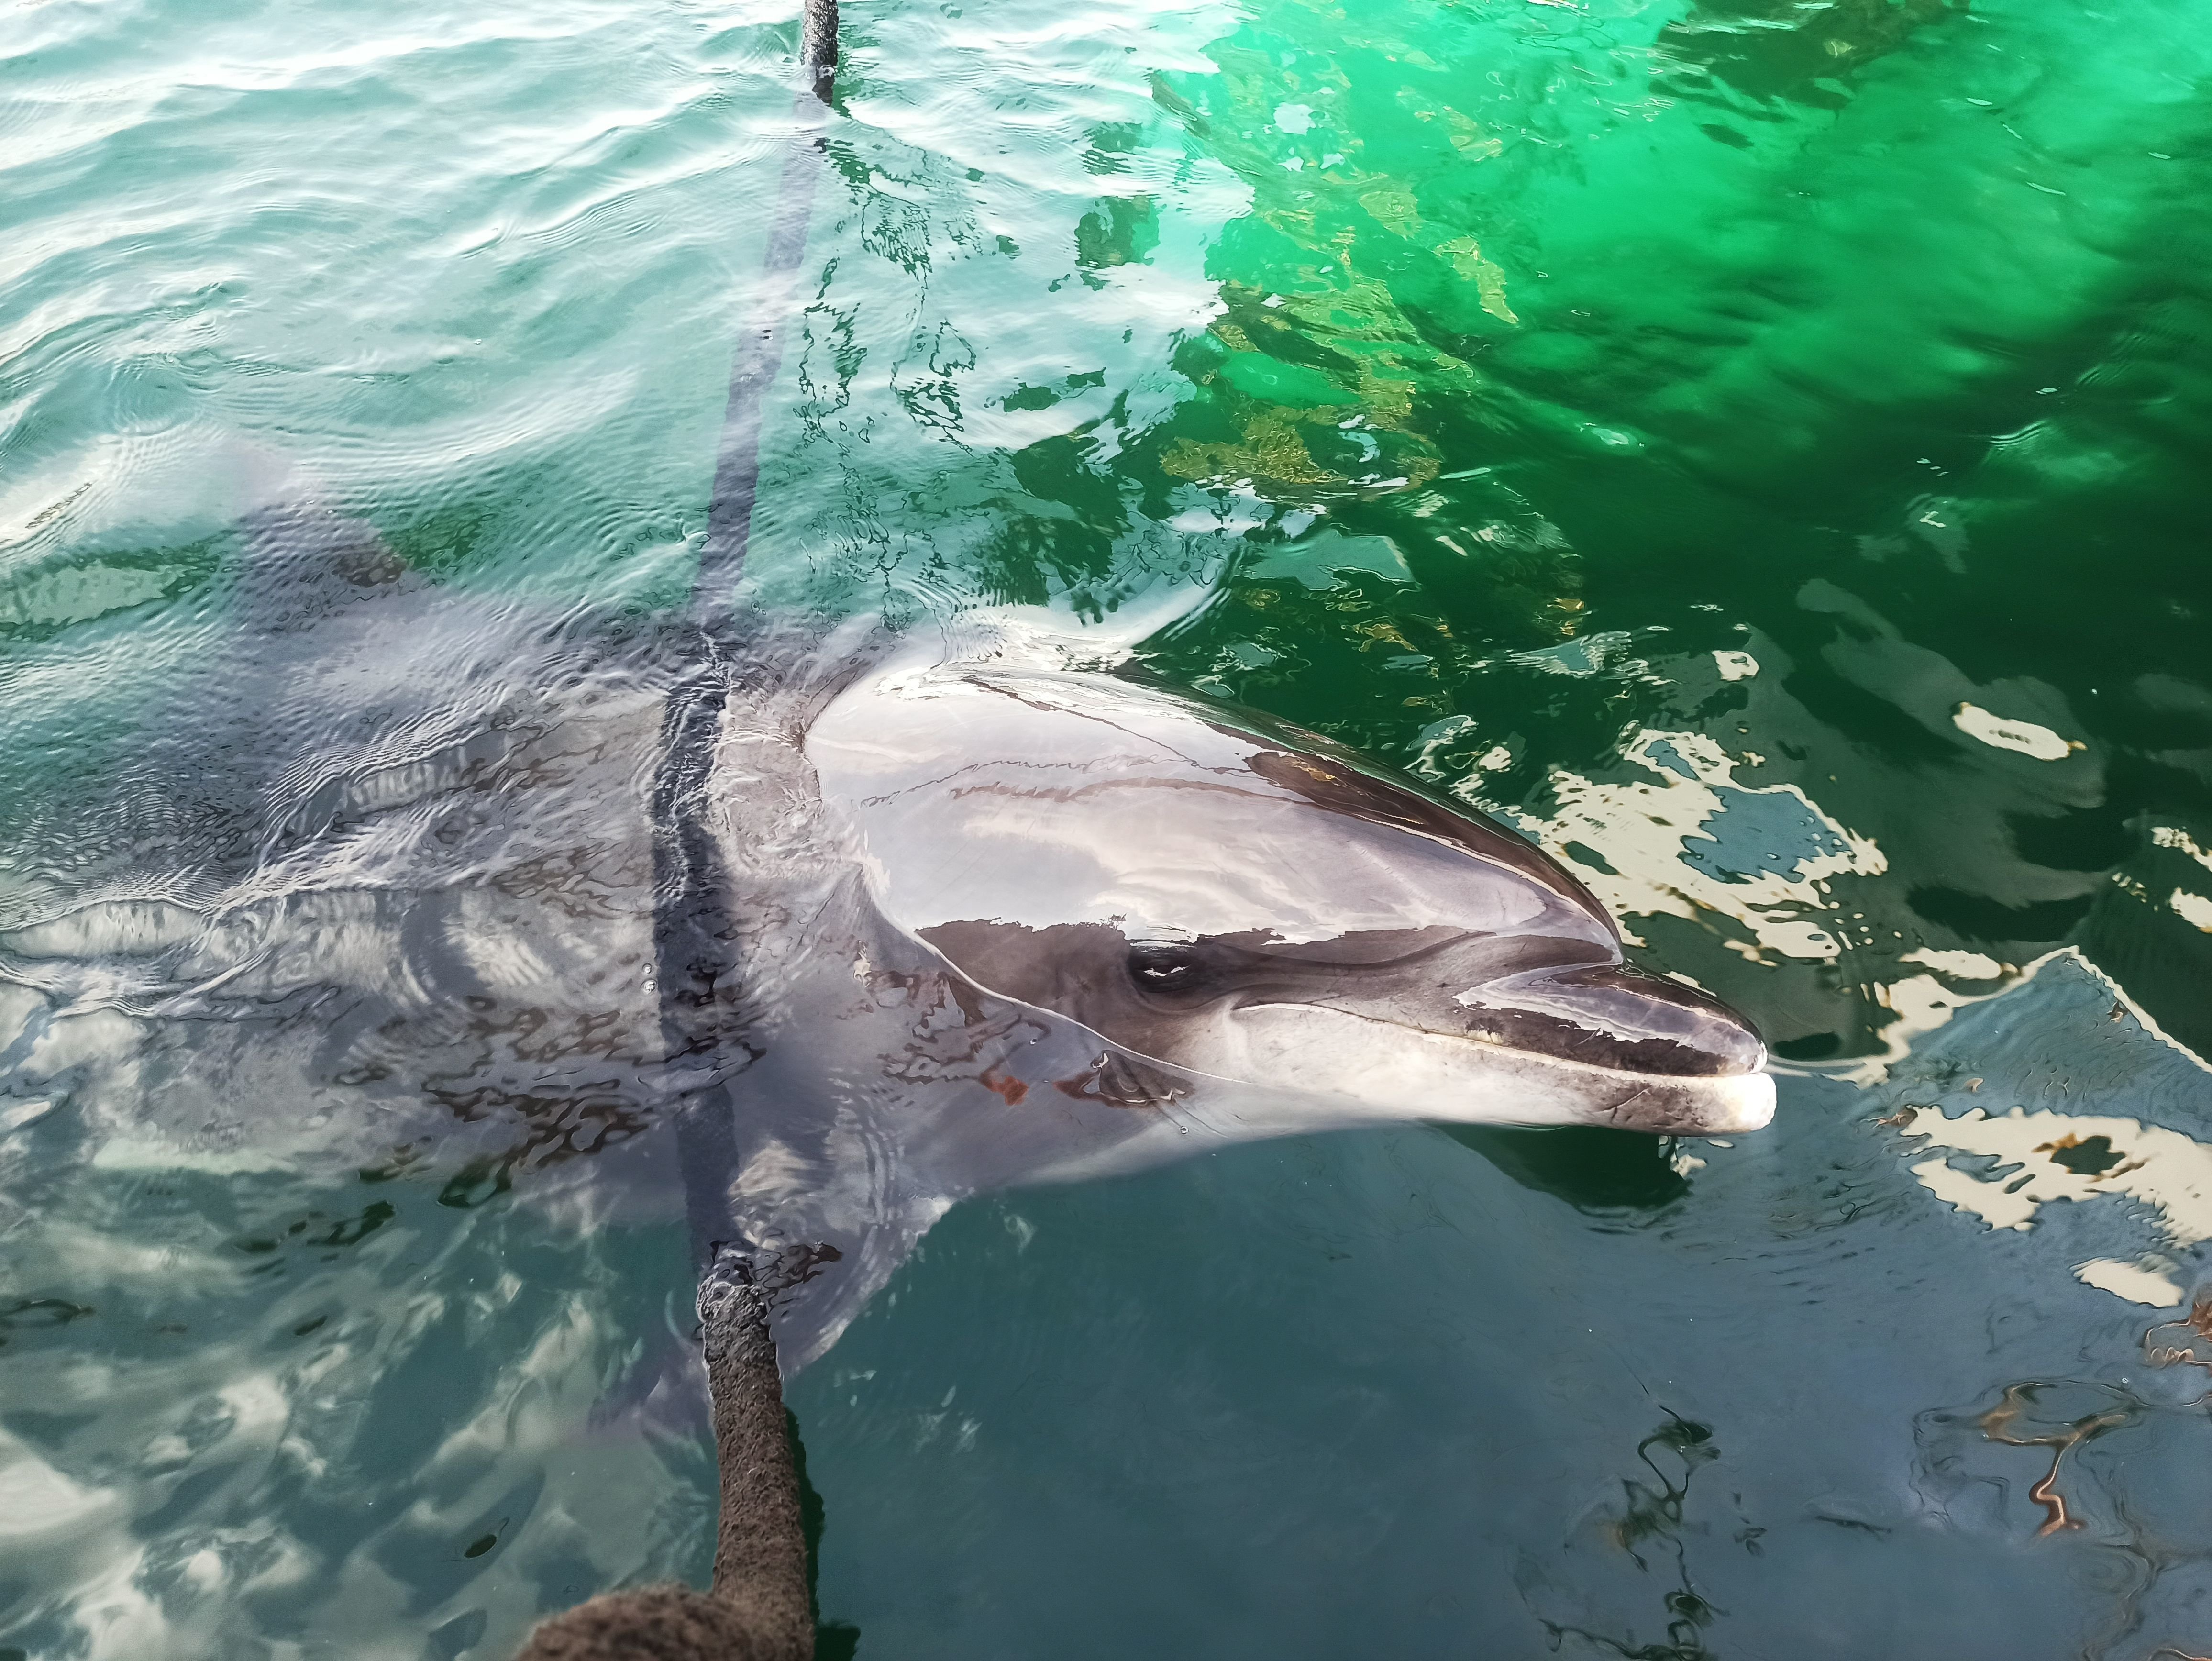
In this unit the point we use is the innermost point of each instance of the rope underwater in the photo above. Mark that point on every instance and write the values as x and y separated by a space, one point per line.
759 1607
694 937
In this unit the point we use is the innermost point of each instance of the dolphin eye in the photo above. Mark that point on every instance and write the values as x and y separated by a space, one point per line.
1164 967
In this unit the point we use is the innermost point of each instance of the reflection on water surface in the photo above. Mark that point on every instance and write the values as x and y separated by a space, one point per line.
1751 449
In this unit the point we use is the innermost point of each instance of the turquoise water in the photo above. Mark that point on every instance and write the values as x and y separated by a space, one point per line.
1755 449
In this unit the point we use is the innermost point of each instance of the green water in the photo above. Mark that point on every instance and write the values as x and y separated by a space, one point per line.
1759 449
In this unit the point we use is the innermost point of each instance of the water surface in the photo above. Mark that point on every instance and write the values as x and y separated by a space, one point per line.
1756 449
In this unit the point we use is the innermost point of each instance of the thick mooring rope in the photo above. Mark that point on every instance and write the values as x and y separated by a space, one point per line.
759 1609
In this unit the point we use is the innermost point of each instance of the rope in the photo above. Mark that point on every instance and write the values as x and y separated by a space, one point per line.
759 1609
694 936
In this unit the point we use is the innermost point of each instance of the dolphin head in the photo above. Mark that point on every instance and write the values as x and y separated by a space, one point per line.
1247 904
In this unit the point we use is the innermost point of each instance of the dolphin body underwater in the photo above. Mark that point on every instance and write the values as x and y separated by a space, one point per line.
377 891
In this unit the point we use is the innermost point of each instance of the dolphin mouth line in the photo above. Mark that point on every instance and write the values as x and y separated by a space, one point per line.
1505 1045
1557 1089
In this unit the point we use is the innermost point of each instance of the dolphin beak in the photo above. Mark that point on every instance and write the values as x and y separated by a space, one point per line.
1375 1069
1612 1016
1649 1054
1569 1044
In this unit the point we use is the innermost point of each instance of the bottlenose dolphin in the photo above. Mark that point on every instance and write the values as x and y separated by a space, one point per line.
1037 921
989 911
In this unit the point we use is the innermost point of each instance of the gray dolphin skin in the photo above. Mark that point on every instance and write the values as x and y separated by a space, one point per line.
381 896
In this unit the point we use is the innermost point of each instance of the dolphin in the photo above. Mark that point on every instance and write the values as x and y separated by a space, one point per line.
1036 920
989 909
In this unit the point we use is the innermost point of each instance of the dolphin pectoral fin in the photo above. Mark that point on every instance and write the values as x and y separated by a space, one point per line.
300 556
809 1313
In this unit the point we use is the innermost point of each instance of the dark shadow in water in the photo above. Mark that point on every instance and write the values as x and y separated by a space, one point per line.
1782 50
833 1640
1984 921
1590 1169
1811 1047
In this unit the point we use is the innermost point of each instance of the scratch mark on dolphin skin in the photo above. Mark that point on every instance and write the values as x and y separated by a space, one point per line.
1628 1101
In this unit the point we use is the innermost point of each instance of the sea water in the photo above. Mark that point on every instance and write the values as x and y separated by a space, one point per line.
1754 449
